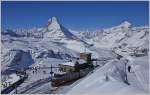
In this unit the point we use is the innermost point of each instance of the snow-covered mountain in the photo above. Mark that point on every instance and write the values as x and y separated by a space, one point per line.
132 46
123 34
52 30
57 31
53 42
36 42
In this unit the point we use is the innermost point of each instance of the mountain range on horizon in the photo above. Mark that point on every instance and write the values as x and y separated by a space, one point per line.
53 25
55 20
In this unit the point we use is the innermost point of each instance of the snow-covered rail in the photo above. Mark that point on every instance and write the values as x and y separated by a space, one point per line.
34 84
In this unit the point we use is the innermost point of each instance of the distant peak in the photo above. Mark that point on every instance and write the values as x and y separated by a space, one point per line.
52 19
125 24
53 23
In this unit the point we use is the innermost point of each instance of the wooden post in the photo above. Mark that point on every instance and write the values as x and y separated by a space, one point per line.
126 78
16 89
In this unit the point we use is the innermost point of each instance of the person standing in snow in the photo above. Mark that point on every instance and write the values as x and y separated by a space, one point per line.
44 72
129 69
33 71
106 77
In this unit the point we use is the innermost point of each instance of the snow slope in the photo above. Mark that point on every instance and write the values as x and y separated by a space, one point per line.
114 84
132 44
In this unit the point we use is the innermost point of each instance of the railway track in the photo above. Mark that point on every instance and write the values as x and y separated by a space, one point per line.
34 84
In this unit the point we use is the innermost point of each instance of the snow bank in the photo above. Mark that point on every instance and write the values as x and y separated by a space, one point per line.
97 83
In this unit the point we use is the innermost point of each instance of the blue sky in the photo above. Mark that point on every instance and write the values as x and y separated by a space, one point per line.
74 15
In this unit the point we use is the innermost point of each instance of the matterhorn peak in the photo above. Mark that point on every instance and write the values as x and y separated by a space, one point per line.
56 30
53 24
125 24
52 19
